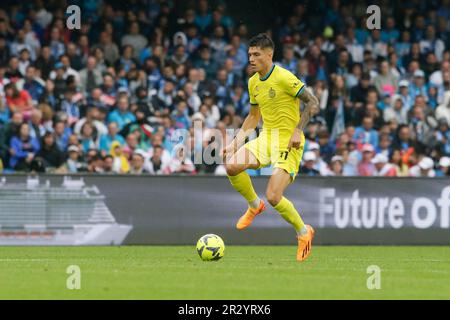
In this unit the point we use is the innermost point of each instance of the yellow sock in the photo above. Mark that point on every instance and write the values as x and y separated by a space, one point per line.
242 183
287 210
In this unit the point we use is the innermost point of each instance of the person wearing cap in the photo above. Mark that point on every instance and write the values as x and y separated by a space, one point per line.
418 85
63 66
319 164
444 164
73 163
384 102
403 91
307 168
382 167
366 167
425 168
336 166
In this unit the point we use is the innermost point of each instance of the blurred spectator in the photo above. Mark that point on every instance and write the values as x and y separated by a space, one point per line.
18 100
70 107
122 116
49 152
444 164
62 133
397 110
88 137
23 149
336 166
443 110
366 167
137 163
73 163
385 81
157 164
382 167
423 169
92 116
106 140
90 77
180 116
308 163
180 163
365 134
120 162
31 84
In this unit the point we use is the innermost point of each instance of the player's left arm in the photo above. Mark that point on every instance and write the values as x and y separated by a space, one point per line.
311 108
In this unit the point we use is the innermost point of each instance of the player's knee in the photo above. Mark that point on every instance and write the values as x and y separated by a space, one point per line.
273 197
232 169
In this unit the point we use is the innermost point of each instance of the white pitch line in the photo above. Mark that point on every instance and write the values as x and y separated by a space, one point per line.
25 260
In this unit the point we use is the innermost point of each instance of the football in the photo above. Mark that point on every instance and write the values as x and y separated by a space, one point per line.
210 247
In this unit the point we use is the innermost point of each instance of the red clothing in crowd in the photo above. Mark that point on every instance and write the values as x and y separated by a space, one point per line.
21 103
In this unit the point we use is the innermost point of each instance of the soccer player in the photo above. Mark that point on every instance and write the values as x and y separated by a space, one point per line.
275 95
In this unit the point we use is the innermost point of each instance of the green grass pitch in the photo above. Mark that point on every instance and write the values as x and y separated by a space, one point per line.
246 272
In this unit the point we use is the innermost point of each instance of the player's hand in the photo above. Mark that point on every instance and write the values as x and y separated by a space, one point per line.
296 139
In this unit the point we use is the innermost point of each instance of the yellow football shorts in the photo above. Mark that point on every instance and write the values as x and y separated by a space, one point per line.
271 147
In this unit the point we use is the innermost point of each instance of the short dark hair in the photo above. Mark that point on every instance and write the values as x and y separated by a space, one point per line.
261 40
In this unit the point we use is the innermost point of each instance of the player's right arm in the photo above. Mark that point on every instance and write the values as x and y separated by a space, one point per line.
249 124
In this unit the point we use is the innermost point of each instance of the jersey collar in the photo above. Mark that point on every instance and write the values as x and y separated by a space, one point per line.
268 74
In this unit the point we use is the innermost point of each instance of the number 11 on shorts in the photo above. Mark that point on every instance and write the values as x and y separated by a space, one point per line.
284 154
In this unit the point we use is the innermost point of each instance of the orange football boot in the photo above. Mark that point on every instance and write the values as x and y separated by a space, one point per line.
305 244
248 216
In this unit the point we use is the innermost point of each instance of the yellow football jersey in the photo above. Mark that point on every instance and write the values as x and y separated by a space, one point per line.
276 94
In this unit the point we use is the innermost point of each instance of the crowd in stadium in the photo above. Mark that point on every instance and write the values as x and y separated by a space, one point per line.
109 97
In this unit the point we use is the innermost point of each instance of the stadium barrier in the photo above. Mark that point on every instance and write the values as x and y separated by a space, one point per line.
179 209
